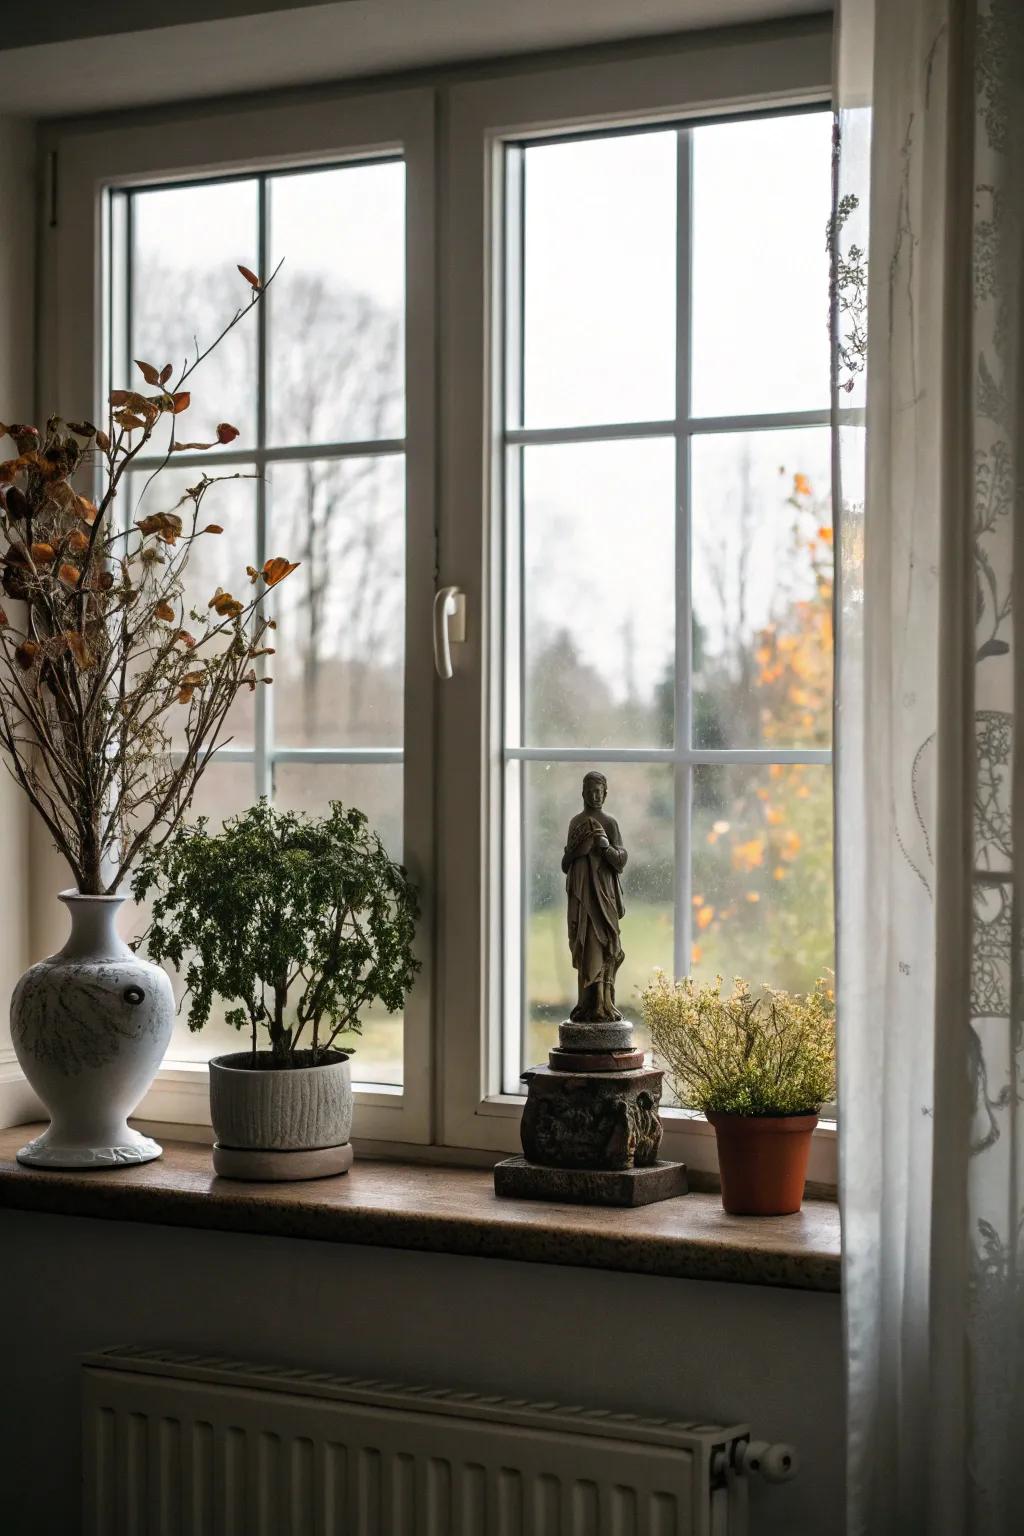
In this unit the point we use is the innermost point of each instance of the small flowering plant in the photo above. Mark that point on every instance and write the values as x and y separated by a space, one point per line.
102 656
741 1054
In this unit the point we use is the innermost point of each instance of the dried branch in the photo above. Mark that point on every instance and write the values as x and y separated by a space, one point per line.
99 661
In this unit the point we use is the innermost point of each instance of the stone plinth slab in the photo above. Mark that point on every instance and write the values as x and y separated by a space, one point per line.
518 1178
595 1061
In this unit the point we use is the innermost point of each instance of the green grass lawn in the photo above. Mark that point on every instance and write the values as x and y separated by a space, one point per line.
647 937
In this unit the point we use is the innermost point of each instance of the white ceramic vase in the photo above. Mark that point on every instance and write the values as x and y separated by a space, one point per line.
90 1027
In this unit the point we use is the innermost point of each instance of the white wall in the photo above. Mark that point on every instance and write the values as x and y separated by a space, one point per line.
770 1358
17 403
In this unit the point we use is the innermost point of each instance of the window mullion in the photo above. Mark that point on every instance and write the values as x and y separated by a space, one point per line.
683 772
264 722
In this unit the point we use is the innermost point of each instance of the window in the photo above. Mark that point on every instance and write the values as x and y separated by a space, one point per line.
668 551
315 383
579 373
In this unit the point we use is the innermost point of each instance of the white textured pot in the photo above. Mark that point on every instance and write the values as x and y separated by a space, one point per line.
90 1026
280 1123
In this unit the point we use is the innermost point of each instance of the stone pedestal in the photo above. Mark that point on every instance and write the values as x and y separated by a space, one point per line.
590 1128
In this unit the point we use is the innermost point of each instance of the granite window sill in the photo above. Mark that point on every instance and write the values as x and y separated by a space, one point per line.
442 1210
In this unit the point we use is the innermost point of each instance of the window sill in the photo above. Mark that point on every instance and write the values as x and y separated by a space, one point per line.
443 1210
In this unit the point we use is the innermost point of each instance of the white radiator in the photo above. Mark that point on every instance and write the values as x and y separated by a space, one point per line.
188 1445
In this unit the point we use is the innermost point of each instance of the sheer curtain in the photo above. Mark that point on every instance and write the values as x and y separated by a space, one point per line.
929 485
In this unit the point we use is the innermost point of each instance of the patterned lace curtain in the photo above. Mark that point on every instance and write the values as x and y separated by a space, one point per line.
929 481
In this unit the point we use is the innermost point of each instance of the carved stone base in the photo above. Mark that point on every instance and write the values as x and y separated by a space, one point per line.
520 1179
591 1119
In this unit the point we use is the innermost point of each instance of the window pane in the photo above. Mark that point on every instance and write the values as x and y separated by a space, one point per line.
340 660
337 308
186 247
762 193
599 288
640 799
223 791
599 610
762 873
215 560
376 789
762 589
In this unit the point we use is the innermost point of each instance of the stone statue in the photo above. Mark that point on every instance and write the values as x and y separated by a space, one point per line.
593 860
590 1127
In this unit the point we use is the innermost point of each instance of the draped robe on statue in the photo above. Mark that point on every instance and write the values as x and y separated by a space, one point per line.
595 908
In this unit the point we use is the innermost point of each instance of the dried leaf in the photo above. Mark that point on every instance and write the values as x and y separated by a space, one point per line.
165 373
128 421
77 542
149 373
102 441
252 573
185 695
225 605
82 428
26 654
192 679
187 640
251 278
212 528
166 525
17 503
165 612
78 648
104 581
184 447
70 575
87 510
43 554
277 569
120 398
181 401
226 433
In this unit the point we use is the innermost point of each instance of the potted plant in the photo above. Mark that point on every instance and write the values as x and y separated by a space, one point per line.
102 657
299 924
760 1068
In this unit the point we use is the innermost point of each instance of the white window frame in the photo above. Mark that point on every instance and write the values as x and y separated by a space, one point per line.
693 80
208 144
453 734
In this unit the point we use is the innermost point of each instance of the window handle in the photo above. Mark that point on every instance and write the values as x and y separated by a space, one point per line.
449 625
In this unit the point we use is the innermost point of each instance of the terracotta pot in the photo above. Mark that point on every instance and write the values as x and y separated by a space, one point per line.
762 1160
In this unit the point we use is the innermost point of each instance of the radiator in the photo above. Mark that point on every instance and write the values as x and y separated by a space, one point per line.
189 1445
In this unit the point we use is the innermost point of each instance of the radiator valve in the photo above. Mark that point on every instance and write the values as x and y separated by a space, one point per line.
774 1463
